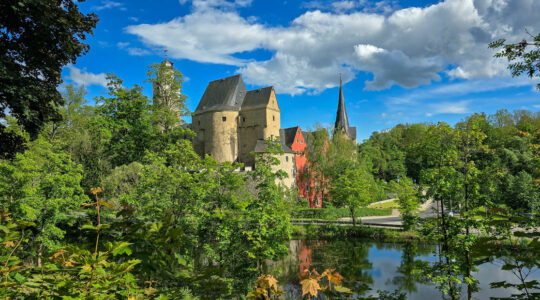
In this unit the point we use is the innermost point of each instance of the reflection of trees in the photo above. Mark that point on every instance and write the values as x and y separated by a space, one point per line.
410 270
349 258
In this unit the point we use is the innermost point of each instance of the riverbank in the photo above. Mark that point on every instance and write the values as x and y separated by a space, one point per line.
332 231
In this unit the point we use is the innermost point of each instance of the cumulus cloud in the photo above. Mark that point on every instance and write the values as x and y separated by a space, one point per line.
406 47
82 77
107 4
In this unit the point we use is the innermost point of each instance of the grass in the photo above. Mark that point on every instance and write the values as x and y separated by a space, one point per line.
332 231
385 205
337 213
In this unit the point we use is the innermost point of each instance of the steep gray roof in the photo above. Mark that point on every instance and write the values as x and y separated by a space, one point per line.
257 98
342 120
261 146
287 135
223 94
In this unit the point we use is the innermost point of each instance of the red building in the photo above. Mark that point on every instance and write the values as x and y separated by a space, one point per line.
311 186
294 139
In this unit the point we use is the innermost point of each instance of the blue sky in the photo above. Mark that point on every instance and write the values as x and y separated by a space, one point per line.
402 61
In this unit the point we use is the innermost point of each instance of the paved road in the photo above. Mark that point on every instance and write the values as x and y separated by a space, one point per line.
395 219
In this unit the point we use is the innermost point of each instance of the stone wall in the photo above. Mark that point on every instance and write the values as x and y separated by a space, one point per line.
217 134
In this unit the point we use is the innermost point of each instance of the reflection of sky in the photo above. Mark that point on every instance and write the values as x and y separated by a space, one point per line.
386 258
386 261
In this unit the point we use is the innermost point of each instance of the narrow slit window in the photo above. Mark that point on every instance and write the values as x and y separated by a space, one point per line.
224 119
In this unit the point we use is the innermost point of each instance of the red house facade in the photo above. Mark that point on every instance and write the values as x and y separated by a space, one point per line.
294 139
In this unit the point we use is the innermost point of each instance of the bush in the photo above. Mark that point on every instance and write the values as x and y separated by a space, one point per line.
333 213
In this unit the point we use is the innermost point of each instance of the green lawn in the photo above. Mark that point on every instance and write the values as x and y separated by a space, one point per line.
336 213
385 205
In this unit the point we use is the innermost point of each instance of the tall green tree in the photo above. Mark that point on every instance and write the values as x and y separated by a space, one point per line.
127 116
353 187
37 39
268 227
42 186
408 201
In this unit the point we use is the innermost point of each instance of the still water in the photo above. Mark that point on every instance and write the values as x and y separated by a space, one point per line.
368 266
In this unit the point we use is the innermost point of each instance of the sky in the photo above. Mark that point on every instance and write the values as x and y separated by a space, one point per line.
405 61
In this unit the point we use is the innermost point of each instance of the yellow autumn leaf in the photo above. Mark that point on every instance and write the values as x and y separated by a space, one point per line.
58 253
87 267
9 244
96 191
310 286
272 282
334 277
103 203
68 263
342 289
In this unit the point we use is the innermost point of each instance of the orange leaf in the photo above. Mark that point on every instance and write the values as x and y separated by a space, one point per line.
310 286
96 191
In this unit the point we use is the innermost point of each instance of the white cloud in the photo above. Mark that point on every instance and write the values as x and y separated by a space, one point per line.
459 107
406 47
457 89
205 4
107 4
138 52
384 115
204 36
122 45
86 78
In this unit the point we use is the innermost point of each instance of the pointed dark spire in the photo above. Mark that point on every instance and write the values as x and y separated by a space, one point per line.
342 121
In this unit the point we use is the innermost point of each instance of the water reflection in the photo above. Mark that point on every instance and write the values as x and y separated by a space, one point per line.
368 266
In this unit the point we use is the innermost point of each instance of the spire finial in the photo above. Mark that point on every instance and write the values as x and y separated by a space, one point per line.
165 53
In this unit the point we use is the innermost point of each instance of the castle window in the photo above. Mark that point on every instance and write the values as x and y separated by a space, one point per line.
199 123
286 158
318 202
273 118
224 119
243 119
297 141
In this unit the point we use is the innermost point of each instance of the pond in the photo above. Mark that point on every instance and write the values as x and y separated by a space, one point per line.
368 266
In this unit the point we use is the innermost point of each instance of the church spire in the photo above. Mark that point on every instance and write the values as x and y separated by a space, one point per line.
342 121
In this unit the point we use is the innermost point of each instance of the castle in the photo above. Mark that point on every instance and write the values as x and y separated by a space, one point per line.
231 122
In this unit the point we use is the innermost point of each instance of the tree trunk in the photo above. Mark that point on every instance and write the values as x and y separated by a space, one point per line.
353 217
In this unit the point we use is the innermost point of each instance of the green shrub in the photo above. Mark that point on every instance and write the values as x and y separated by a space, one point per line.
333 213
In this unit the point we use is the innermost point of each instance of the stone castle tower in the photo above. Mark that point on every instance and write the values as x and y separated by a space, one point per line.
230 121
166 94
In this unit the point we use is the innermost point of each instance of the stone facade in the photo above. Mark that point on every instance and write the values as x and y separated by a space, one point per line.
231 123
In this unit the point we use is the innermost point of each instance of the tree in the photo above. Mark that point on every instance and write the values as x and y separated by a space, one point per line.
127 115
268 227
527 62
37 39
354 187
408 202
43 187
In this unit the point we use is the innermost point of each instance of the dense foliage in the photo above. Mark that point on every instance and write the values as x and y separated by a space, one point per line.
164 222
37 39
